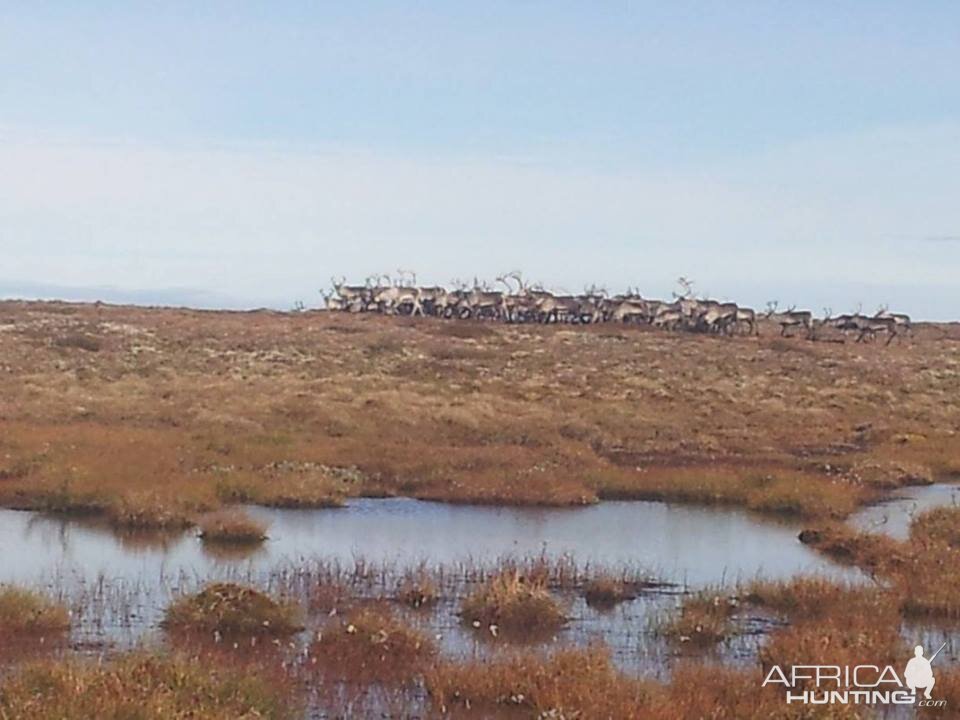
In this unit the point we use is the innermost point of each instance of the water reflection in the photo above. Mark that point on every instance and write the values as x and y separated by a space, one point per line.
893 517
684 544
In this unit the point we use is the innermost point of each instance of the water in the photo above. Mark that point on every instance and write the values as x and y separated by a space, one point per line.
119 584
695 546
893 517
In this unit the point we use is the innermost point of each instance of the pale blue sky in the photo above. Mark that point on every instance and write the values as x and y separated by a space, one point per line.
241 153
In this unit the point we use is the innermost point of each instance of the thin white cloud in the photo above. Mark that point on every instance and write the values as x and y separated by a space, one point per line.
269 224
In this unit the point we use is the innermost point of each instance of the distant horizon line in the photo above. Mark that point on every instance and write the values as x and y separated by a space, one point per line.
127 298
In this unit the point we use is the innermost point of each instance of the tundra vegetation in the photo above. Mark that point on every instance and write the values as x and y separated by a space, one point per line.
228 609
232 526
514 604
360 646
179 413
27 612
157 418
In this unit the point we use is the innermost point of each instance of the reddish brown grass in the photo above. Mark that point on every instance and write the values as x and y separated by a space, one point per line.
26 612
232 526
513 604
146 687
371 643
230 609
190 409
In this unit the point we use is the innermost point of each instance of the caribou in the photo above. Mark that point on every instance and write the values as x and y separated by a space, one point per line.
517 301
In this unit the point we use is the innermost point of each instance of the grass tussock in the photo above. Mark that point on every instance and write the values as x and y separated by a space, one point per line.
148 511
565 684
418 590
372 643
26 612
232 527
145 687
231 609
513 604
605 591
704 619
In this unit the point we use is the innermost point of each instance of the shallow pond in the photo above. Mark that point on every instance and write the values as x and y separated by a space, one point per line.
119 584
893 517
694 546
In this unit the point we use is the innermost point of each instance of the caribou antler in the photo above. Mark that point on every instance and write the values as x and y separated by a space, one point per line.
686 284
518 276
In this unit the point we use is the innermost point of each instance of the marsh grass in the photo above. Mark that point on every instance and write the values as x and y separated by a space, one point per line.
148 511
936 527
27 612
568 683
605 590
232 609
513 604
418 590
232 526
871 551
774 490
371 643
810 598
921 572
705 618
145 687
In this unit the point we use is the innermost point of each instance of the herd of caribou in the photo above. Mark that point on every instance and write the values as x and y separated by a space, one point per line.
518 302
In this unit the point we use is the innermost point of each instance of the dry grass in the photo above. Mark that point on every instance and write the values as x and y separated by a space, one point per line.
606 591
583 683
513 604
810 598
921 572
709 691
26 612
873 552
704 619
147 511
144 687
928 580
184 411
418 590
829 622
566 684
372 643
774 491
230 609
232 526
840 638
940 526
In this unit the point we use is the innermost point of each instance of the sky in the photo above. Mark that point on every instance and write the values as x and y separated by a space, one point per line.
239 154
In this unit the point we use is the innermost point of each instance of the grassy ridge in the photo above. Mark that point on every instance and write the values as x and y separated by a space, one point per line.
178 412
